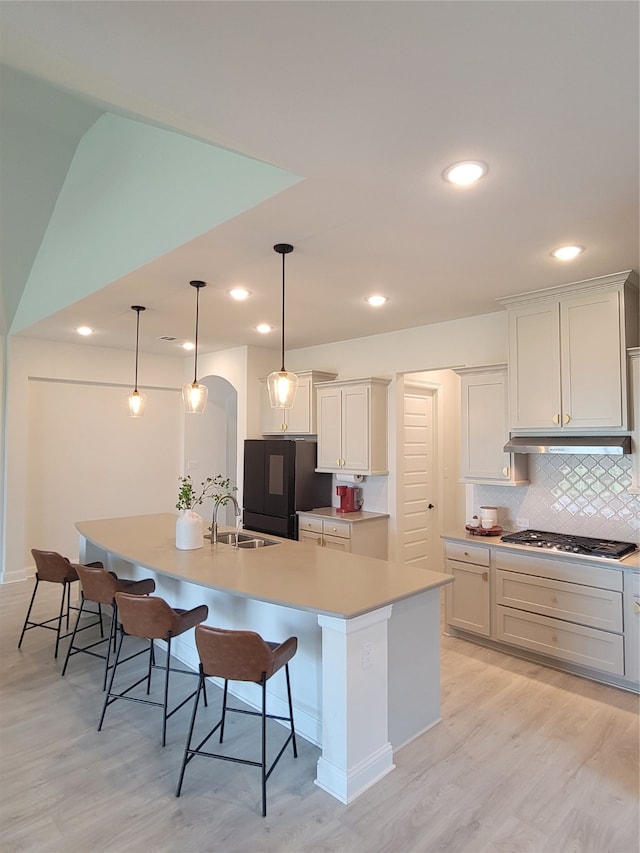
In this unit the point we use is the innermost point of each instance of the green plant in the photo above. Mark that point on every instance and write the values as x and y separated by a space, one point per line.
219 488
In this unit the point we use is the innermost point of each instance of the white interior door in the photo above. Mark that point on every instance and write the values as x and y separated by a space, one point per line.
417 481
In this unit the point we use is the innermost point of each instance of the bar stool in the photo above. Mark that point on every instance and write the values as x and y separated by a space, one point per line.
54 568
241 656
100 586
151 618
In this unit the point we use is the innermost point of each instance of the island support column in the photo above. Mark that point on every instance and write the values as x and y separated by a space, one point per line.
356 751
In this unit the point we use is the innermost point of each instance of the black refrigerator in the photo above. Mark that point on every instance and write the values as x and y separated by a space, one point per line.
279 479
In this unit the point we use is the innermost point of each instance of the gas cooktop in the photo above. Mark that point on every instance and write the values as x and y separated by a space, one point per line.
572 544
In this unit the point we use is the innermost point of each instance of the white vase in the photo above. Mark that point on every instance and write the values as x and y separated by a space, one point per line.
189 530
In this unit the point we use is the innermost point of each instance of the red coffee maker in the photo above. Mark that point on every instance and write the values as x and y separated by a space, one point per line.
350 498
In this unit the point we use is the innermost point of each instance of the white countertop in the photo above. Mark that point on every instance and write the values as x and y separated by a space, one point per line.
332 512
291 574
631 561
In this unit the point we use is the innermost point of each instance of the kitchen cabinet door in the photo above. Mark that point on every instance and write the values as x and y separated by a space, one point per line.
467 599
329 428
485 428
534 366
590 364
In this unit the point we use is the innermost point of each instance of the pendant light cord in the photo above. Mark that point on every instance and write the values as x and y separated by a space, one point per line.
137 309
195 360
282 350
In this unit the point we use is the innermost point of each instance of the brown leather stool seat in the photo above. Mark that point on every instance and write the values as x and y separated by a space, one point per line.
54 568
151 618
241 656
100 586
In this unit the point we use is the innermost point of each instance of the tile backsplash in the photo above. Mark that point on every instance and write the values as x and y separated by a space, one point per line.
579 495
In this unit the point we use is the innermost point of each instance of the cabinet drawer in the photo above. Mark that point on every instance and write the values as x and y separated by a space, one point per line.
337 528
307 523
562 640
467 553
584 605
559 568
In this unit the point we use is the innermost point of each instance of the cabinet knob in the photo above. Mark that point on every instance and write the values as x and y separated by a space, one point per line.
566 419
430 506
283 427
505 471
556 419
636 606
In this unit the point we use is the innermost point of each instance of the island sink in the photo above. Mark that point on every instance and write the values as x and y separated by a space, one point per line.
245 540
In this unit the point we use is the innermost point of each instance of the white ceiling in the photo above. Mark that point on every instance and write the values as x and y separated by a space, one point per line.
368 102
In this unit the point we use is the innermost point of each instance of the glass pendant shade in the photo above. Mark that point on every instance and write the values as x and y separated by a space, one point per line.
281 384
136 402
282 387
135 399
194 396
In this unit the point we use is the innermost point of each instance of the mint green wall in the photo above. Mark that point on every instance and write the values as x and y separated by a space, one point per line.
40 128
134 192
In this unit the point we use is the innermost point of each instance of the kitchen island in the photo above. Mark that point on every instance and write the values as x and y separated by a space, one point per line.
366 678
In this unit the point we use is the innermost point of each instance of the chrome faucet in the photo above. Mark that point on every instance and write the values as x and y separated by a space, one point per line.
214 518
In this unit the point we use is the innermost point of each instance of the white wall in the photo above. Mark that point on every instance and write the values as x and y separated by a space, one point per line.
72 451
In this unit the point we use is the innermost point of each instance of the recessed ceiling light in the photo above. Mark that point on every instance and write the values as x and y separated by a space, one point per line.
264 328
376 301
567 253
188 345
239 293
465 173
84 330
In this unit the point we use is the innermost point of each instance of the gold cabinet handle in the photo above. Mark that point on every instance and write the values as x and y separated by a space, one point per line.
566 419
505 471
485 576
556 419
283 427
636 606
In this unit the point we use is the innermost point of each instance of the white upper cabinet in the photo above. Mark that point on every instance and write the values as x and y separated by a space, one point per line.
485 428
301 418
352 426
567 355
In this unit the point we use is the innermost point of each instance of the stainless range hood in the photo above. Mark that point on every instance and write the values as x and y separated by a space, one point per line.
583 445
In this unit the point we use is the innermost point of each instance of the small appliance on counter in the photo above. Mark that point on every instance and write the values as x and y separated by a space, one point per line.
350 499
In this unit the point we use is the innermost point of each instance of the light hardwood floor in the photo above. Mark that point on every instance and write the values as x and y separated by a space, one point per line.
525 759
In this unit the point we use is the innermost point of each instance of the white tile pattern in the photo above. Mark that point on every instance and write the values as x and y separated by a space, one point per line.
580 495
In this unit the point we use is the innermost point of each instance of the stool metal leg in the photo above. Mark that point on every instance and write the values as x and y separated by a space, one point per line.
264 746
26 621
73 635
293 731
66 592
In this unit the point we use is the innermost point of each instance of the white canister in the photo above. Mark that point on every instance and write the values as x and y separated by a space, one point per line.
489 516
189 530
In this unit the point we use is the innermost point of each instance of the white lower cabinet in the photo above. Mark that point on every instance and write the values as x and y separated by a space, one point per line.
365 537
468 600
567 611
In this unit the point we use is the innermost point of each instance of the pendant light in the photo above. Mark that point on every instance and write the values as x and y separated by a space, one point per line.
194 396
282 385
135 399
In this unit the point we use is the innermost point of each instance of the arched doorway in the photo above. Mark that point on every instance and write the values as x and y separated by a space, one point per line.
211 442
